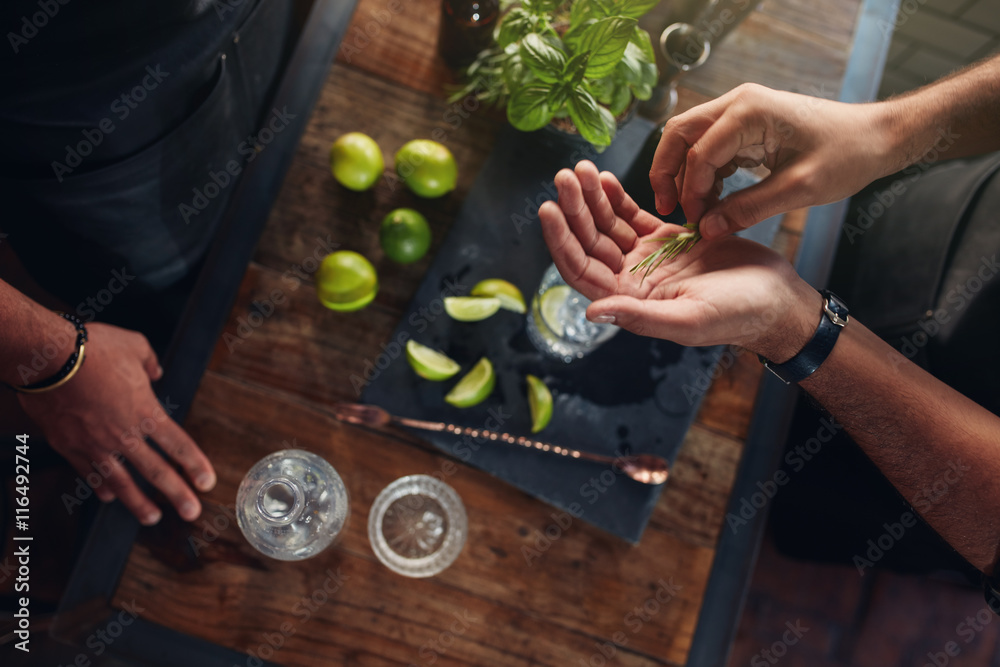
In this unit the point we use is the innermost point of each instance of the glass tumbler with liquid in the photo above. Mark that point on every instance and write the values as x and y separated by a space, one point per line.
291 505
557 322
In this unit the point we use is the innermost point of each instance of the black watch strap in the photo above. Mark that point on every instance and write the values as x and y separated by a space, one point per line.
815 352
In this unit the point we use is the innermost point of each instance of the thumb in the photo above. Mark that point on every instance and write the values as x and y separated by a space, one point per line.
149 361
667 319
775 194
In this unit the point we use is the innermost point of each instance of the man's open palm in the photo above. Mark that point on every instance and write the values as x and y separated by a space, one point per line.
727 291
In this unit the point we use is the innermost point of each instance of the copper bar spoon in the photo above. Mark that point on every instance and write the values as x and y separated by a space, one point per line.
644 468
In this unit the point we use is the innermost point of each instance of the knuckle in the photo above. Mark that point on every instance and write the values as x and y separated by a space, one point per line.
674 124
744 212
802 179
747 91
154 474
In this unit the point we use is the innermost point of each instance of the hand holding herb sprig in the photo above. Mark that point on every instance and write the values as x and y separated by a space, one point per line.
704 296
670 247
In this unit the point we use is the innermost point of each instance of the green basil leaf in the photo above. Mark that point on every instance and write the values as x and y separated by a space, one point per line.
558 96
650 75
604 8
581 11
540 6
589 120
634 8
630 66
515 74
603 89
621 97
528 108
575 69
640 38
544 60
515 25
643 91
605 41
572 36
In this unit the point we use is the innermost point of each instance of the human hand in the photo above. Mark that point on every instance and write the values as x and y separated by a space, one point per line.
98 420
727 291
818 151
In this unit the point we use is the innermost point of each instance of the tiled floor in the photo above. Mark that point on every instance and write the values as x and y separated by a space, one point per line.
819 615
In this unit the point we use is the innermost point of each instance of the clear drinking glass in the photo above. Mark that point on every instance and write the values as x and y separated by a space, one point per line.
417 526
292 505
557 322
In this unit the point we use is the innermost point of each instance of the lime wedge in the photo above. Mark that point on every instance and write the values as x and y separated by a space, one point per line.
475 386
430 364
510 297
540 403
551 304
471 308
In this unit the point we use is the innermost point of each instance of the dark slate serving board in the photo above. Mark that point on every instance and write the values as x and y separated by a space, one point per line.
632 395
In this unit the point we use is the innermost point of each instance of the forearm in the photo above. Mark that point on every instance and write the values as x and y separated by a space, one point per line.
34 341
938 448
957 116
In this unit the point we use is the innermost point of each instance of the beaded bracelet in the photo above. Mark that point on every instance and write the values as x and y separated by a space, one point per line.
69 369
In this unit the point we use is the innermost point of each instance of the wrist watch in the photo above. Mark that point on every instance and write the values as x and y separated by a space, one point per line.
833 318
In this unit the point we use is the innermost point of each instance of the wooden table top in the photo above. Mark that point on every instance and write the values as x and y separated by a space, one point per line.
586 595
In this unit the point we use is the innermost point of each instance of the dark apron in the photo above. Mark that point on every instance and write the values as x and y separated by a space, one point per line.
141 206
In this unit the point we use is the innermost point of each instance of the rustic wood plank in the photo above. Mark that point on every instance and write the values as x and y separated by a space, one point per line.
693 505
833 22
774 54
397 40
573 591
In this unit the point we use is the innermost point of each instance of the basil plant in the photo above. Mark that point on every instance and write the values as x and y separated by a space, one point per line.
585 60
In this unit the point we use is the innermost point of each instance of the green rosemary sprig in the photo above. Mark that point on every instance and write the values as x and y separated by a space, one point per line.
670 247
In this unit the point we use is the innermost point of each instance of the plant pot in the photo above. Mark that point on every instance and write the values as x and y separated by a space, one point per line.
564 135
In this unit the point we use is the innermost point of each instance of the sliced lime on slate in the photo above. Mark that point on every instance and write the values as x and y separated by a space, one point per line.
429 363
510 297
540 404
474 387
471 308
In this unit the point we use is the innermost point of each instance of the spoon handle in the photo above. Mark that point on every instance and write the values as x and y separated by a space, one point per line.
643 468
504 437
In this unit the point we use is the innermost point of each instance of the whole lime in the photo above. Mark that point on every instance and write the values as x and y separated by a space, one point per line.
427 167
346 281
404 235
356 161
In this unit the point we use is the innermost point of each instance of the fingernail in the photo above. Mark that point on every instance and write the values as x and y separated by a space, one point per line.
152 518
659 204
713 225
205 481
189 511
604 319
159 372
105 496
